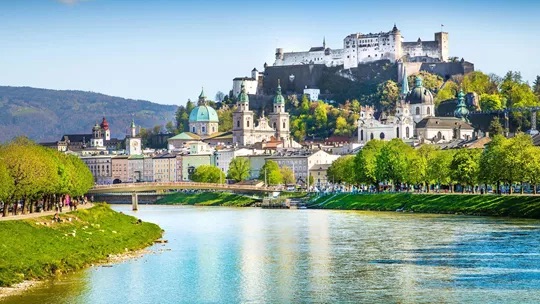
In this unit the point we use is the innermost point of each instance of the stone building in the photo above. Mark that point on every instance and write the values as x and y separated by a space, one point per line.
246 133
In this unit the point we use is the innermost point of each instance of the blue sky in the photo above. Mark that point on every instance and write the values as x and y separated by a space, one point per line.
164 51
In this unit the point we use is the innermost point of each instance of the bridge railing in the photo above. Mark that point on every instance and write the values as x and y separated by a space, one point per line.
182 184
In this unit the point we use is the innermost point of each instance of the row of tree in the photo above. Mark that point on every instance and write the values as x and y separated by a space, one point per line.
399 166
239 170
32 174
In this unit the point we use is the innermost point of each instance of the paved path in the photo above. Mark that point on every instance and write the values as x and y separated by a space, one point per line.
39 214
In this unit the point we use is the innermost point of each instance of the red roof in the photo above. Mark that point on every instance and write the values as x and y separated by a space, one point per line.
104 124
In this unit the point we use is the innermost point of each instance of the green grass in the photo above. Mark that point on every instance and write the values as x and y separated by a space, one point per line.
38 248
206 199
495 205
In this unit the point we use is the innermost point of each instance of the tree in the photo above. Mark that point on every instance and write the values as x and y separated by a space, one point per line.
419 168
515 159
220 96
287 175
533 167
208 174
7 186
271 173
430 81
355 106
225 119
495 127
439 167
169 126
492 162
239 169
342 170
388 95
516 92
479 83
365 163
536 86
392 164
304 105
465 167
491 102
448 91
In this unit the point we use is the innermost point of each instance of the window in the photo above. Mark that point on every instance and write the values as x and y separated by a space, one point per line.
397 132
274 124
407 132
192 129
283 125
417 110
381 135
371 136
361 135
247 123
237 124
428 111
203 129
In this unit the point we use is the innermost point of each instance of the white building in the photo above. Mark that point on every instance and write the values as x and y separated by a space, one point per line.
312 93
444 129
302 162
252 84
133 141
164 168
399 126
361 48
223 158
101 168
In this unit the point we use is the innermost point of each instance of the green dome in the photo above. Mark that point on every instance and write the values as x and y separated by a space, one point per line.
243 96
419 94
203 113
461 111
279 98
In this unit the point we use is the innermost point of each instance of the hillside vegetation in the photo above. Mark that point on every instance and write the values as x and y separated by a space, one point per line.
45 115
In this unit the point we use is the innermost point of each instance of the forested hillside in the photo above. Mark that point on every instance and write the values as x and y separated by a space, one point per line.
45 115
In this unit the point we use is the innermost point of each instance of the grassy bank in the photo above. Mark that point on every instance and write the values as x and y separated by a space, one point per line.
38 248
514 206
206 199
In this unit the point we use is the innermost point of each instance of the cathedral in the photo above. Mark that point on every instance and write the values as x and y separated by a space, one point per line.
415 118
203 119
273 128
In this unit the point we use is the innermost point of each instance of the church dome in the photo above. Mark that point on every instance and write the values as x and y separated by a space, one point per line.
104 124
203 113
419 94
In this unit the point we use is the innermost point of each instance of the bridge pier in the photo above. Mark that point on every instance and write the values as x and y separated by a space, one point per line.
135 201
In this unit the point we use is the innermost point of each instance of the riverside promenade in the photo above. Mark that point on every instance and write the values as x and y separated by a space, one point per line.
44 213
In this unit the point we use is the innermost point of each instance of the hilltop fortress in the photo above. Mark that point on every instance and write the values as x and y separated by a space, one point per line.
361 48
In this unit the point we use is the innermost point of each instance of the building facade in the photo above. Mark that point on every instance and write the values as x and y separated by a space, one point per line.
361 48
246 133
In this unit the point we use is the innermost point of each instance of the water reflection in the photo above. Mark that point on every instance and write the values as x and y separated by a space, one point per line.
227 255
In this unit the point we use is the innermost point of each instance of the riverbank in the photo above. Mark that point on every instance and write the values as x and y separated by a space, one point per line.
492 205
206 199
38 248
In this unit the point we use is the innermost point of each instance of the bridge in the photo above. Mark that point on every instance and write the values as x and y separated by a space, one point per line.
139 188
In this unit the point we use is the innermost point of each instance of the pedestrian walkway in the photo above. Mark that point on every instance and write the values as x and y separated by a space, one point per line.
39 214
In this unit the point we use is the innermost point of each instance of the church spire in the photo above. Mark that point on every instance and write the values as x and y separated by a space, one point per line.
461 111
278 99
324 42
404 82
243 96
202 98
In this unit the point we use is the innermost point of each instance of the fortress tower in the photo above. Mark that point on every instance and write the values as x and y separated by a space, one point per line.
442 40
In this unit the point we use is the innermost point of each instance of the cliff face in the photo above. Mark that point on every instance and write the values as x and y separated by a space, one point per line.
45 115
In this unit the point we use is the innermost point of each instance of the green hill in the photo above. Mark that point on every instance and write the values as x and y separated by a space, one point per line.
45 115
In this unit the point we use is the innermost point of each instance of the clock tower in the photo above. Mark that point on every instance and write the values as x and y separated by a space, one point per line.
133 141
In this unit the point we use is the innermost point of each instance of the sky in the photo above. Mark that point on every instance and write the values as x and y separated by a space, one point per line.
164 51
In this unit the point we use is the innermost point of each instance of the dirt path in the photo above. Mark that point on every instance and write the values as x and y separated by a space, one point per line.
39 214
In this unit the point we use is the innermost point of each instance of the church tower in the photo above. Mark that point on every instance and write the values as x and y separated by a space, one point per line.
243 122
279 119
97 137
105 128
133 141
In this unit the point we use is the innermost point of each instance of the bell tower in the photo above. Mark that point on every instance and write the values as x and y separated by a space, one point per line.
279 119
243 123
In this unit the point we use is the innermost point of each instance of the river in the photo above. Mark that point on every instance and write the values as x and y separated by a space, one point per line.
251 255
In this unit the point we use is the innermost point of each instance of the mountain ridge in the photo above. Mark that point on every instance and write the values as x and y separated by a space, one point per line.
45 114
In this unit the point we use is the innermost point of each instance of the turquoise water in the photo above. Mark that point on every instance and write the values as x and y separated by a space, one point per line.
250 255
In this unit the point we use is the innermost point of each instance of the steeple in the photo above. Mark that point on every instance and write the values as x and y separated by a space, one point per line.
202 98
324 42
418 82
404 82
243 96
133 128
461 111
278 99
